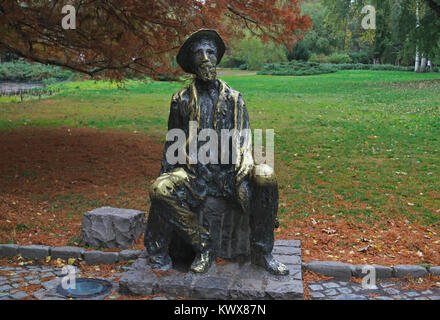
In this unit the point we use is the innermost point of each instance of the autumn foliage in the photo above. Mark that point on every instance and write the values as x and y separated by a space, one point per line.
119 38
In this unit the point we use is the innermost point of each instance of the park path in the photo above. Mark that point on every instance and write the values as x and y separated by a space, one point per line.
40 282
385 290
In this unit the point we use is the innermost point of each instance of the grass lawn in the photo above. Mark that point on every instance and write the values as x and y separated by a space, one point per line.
353 147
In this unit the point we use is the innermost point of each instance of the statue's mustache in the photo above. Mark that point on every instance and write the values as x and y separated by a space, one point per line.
207 65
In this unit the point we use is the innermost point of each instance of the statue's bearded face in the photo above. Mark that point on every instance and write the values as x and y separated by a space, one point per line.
205 60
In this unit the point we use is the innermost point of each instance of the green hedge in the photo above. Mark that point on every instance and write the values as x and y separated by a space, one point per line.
380 67
24 71
300 68
296 68
361 66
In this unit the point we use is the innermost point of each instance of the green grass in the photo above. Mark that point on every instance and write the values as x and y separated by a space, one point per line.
354 143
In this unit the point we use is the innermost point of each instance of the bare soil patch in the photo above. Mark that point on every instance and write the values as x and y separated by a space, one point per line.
50 176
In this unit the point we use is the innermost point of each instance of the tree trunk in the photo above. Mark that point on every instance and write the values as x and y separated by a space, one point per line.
423 65
417 63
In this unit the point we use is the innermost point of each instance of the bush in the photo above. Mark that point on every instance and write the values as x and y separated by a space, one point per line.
338 58
299 52
296 68
24 71
321 58
359 57
300 68
378 67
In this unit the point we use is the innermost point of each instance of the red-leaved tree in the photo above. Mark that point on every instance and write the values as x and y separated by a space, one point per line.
116 38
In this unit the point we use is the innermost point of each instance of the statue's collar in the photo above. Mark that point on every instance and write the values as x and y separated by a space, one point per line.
222 86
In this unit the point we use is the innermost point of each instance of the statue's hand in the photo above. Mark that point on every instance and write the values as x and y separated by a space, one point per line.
244 196
242 173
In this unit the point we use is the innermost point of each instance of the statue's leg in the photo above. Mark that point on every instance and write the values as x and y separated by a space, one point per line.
157 238
263 214
173 194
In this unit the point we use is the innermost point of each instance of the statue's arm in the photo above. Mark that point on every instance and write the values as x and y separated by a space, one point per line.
246 160
174 121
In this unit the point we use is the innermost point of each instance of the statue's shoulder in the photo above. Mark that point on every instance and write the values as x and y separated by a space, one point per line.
229 91
182 96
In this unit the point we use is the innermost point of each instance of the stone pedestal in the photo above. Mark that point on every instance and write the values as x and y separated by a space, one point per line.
112 227
229 281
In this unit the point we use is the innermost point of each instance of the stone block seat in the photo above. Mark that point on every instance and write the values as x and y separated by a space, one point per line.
229 229
109 227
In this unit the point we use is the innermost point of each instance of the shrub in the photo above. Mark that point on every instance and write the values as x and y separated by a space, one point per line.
321 58
300 68
24 71
296 68
378 67
338 58
299 52
359 57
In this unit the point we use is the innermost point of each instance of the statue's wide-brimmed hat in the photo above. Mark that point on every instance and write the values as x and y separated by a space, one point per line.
184 58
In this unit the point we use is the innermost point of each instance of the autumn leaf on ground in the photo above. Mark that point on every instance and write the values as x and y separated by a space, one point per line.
364 249
329 231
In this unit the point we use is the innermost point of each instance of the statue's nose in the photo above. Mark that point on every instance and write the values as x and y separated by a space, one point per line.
205 56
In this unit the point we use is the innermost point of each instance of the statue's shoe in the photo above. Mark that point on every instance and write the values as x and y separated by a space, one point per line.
160 262
203 261
269 263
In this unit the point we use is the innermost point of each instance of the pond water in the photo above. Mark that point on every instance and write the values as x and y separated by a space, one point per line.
16 87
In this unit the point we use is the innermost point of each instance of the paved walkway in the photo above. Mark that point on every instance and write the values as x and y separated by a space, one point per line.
40 282
15 282
385 290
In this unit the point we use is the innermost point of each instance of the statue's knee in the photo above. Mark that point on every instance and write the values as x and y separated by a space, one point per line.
165 185
264 175
159 189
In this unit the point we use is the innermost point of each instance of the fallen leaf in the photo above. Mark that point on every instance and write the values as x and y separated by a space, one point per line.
364 249
329 231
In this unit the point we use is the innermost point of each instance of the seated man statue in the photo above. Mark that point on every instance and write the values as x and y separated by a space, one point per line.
181 188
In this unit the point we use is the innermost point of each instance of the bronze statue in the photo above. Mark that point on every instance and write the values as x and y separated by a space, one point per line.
182 188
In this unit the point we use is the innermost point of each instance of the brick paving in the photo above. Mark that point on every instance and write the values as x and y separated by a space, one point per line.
40 282
384 290
15 280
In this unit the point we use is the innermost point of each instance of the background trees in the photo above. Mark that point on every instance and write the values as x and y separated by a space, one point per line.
120 38
140 37
337 32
